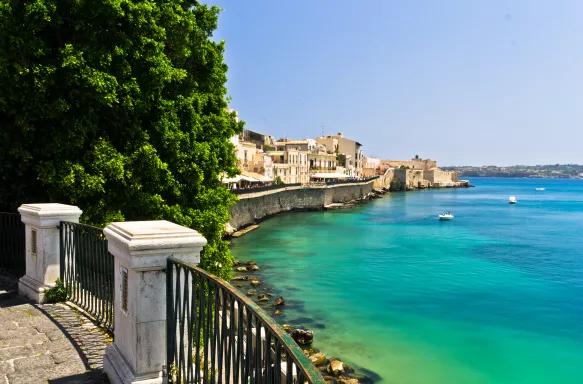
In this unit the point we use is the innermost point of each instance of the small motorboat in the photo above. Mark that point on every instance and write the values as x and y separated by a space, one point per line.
540 189
446 216
512 200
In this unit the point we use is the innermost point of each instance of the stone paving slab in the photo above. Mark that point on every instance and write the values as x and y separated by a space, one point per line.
49 343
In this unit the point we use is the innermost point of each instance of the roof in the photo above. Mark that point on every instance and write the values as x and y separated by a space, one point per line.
291 142
255 176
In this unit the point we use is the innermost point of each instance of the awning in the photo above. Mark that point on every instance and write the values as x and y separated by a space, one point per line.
329 176
256 176
227 180
250 179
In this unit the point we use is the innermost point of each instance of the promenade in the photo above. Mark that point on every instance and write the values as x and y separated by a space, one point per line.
48 343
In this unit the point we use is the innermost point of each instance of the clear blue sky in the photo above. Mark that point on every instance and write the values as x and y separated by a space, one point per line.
465 82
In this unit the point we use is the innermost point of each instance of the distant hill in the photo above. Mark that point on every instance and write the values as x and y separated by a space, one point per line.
556 171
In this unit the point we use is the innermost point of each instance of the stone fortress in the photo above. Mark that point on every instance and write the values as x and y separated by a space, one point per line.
421 173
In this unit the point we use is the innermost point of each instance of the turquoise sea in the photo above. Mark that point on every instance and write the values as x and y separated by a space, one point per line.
492 297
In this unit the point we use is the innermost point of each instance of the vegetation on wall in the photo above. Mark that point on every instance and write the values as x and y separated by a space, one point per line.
119 107
396 185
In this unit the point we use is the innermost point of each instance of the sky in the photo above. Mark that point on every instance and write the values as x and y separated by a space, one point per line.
480 82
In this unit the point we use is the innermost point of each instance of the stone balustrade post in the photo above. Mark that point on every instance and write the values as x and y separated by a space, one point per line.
141 250
43 246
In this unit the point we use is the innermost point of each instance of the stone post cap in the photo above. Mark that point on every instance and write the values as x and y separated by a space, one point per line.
49 214
146 245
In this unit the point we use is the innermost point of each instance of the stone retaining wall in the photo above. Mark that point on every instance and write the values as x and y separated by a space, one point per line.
258 206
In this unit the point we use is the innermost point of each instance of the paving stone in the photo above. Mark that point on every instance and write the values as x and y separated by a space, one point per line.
15 352
18 333
23 340
5 368
47 343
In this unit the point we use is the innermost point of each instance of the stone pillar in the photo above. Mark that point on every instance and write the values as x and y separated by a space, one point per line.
43 246
141 250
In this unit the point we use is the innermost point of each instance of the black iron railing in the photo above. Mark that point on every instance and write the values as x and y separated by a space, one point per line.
87 270
217 335
265 188
12 243
351 181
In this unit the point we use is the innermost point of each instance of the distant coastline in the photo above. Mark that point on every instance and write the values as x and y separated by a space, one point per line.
556 171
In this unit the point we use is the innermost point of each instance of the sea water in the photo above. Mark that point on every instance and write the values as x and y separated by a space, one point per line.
494 296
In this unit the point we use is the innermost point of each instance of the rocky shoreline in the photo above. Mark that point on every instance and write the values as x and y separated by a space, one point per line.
332 369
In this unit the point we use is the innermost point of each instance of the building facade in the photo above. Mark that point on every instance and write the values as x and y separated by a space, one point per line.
350 149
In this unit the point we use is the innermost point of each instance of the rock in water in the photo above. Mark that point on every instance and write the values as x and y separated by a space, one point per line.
335 368
279 301
241 269
302 337
253 268
229 230
263 298
235 262
251 262
286 327
318 358
255 283
241 278
277 312
346 380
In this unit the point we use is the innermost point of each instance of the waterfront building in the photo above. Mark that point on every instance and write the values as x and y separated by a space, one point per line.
262 164
261 140
290 165
350 151
371 166
321 160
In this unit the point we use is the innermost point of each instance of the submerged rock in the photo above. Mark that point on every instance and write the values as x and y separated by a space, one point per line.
348 369
286 327
229 229
241 278
335 368
363 379
251 262
279 301
302 337
253 268
241 269
346 380
277 312
318 358
252 292
255 283
263 298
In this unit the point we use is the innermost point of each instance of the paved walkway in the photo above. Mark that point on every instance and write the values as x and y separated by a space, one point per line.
49 343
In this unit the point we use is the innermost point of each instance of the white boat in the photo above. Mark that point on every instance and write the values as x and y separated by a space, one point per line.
540 189
512 200
446 216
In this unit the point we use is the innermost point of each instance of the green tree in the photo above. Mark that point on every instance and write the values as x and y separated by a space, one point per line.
278 181
119 107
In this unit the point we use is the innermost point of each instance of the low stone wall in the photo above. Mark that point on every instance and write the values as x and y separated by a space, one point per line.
384 181
255 207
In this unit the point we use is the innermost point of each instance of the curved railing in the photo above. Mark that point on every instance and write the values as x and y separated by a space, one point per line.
265 188
217 335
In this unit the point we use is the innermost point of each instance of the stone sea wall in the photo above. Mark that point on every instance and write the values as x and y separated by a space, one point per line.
255 207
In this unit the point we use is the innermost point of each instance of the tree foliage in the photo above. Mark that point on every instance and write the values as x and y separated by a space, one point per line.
119 107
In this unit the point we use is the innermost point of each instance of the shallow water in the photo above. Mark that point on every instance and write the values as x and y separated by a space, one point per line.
494 296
